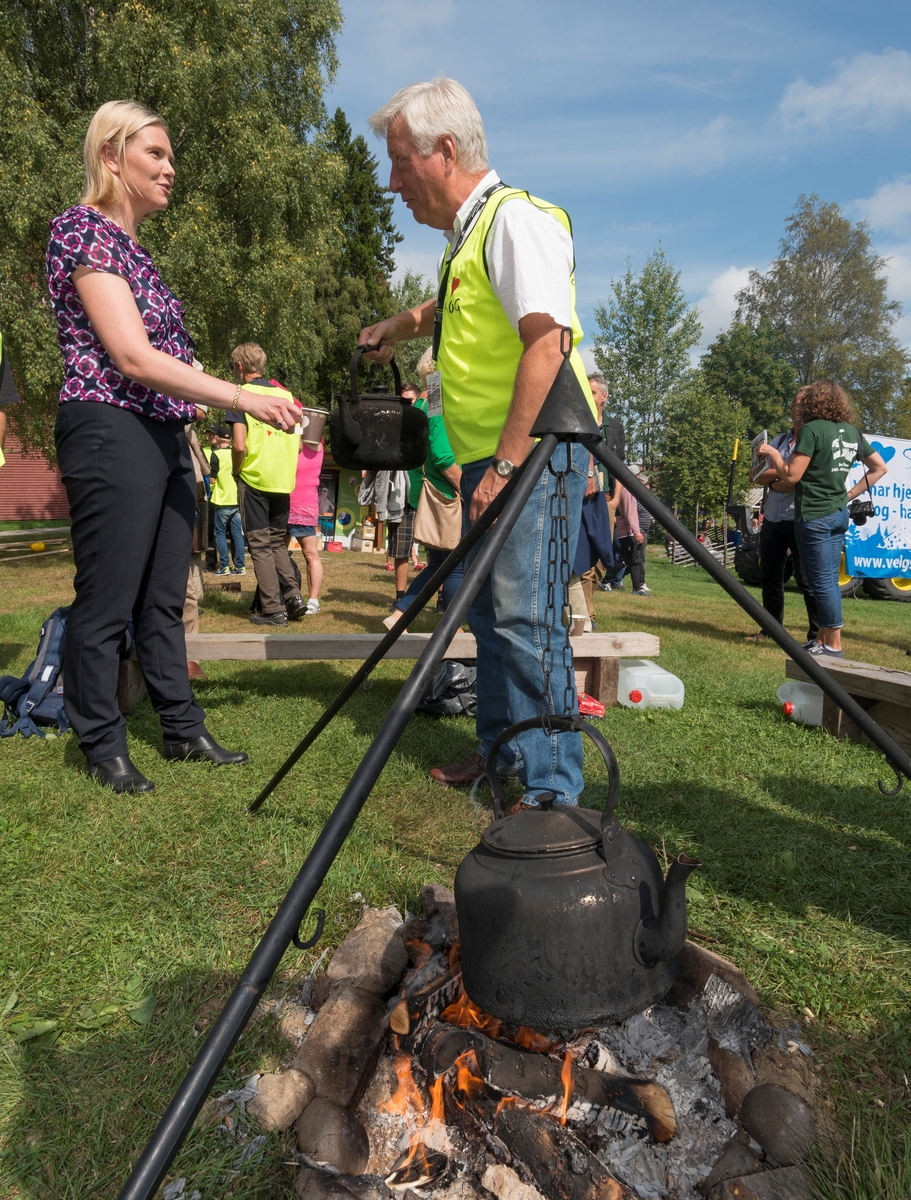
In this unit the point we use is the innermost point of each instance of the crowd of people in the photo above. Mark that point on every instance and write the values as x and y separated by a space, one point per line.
139 482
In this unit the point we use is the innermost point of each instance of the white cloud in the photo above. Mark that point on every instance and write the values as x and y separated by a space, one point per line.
697 149
889 208
716 307
870 91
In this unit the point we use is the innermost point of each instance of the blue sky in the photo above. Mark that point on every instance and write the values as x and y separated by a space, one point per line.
695 123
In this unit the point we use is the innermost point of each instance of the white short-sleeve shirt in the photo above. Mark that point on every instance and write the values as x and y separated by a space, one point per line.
529 257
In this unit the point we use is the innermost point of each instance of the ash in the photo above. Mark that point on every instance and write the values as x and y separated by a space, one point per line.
671 1049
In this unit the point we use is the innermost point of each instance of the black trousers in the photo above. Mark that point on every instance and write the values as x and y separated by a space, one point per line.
264 516
132 494
775 539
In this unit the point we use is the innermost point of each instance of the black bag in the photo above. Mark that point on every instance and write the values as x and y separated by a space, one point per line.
452 691
377 431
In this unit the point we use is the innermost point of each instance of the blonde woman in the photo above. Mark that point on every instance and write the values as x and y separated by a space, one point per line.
129 388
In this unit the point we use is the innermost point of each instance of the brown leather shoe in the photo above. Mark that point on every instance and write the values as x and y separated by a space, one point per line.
194 670
466 772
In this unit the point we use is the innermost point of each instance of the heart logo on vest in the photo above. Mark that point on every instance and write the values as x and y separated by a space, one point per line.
455 284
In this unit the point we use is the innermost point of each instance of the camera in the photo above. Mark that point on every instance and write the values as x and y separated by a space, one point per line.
860 510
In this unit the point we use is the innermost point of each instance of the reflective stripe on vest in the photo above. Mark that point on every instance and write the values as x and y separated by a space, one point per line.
479 349
270 464
224 485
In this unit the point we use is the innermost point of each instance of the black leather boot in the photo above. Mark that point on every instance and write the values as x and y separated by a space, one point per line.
120 775
203 749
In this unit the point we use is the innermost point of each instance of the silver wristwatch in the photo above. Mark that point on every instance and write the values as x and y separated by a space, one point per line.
504 468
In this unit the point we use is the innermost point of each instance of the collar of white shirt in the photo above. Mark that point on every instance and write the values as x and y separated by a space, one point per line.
465 211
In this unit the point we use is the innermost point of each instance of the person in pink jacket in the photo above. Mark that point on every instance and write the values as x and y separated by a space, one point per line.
631 539
304 518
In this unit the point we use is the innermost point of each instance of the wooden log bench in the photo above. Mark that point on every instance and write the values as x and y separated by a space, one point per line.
884 692
596 656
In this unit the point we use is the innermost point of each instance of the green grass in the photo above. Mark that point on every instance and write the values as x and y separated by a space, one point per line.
107 900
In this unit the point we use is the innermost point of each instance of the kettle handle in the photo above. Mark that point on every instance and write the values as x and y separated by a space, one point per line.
573 724
352 371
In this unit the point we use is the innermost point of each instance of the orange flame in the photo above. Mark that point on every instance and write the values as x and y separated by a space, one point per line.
530 1038
567 1076
466 1014
437 1112
468 1076
406 1101
421 952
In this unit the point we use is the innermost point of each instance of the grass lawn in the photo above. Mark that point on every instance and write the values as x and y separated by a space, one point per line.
125 920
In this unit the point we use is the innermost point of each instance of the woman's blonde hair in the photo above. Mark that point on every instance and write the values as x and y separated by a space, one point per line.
113 124
424 365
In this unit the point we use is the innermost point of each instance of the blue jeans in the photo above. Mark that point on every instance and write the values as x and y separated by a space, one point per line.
507 620
820 543
228 518
435 559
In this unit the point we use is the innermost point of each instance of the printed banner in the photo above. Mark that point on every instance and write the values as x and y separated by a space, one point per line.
881 548
348 509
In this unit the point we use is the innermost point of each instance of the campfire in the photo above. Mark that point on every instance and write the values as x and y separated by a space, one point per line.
403 1086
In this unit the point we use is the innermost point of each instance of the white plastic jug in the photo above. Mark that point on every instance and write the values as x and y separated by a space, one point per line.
801 701
643 684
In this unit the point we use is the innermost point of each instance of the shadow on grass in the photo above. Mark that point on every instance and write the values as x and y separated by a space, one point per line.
89 1104
9 652
843 850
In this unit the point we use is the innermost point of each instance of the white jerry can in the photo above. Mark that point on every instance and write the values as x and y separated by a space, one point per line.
801 701
643 684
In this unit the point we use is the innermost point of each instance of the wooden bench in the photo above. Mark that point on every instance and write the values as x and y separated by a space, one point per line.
884 692
596 656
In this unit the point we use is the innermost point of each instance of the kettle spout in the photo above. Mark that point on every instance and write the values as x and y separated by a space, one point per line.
661 937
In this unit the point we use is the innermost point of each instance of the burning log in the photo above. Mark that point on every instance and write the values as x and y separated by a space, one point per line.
563 1168
538 1078
427 991
418 1166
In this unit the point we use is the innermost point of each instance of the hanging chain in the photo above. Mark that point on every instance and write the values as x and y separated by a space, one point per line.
557 582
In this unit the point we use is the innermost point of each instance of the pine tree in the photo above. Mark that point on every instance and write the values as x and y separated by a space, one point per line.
353 288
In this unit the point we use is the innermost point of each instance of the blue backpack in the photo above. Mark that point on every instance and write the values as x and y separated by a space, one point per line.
37 698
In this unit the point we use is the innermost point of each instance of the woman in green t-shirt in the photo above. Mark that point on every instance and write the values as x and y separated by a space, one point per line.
826 448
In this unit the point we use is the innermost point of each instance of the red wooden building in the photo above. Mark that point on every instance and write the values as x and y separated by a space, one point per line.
30 490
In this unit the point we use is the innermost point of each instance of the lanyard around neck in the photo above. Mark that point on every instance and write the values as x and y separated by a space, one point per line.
467 225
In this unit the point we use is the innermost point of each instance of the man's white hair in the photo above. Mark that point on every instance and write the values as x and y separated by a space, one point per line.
431 110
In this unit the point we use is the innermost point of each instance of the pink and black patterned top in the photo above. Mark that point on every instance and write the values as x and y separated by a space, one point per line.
84 237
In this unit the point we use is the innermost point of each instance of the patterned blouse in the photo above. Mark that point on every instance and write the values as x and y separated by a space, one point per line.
84 237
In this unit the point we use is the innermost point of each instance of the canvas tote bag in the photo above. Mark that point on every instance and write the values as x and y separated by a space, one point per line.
438 520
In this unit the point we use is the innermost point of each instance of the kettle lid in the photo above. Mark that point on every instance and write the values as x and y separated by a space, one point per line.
564 829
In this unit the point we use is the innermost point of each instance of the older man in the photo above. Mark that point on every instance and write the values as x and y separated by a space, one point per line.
506 291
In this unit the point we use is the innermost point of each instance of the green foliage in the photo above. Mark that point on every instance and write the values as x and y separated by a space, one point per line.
745 366
642 348
695 448
410 291
352 287
826 297
240 84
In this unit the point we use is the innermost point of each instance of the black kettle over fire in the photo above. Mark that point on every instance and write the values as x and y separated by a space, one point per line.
377 431
564 918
